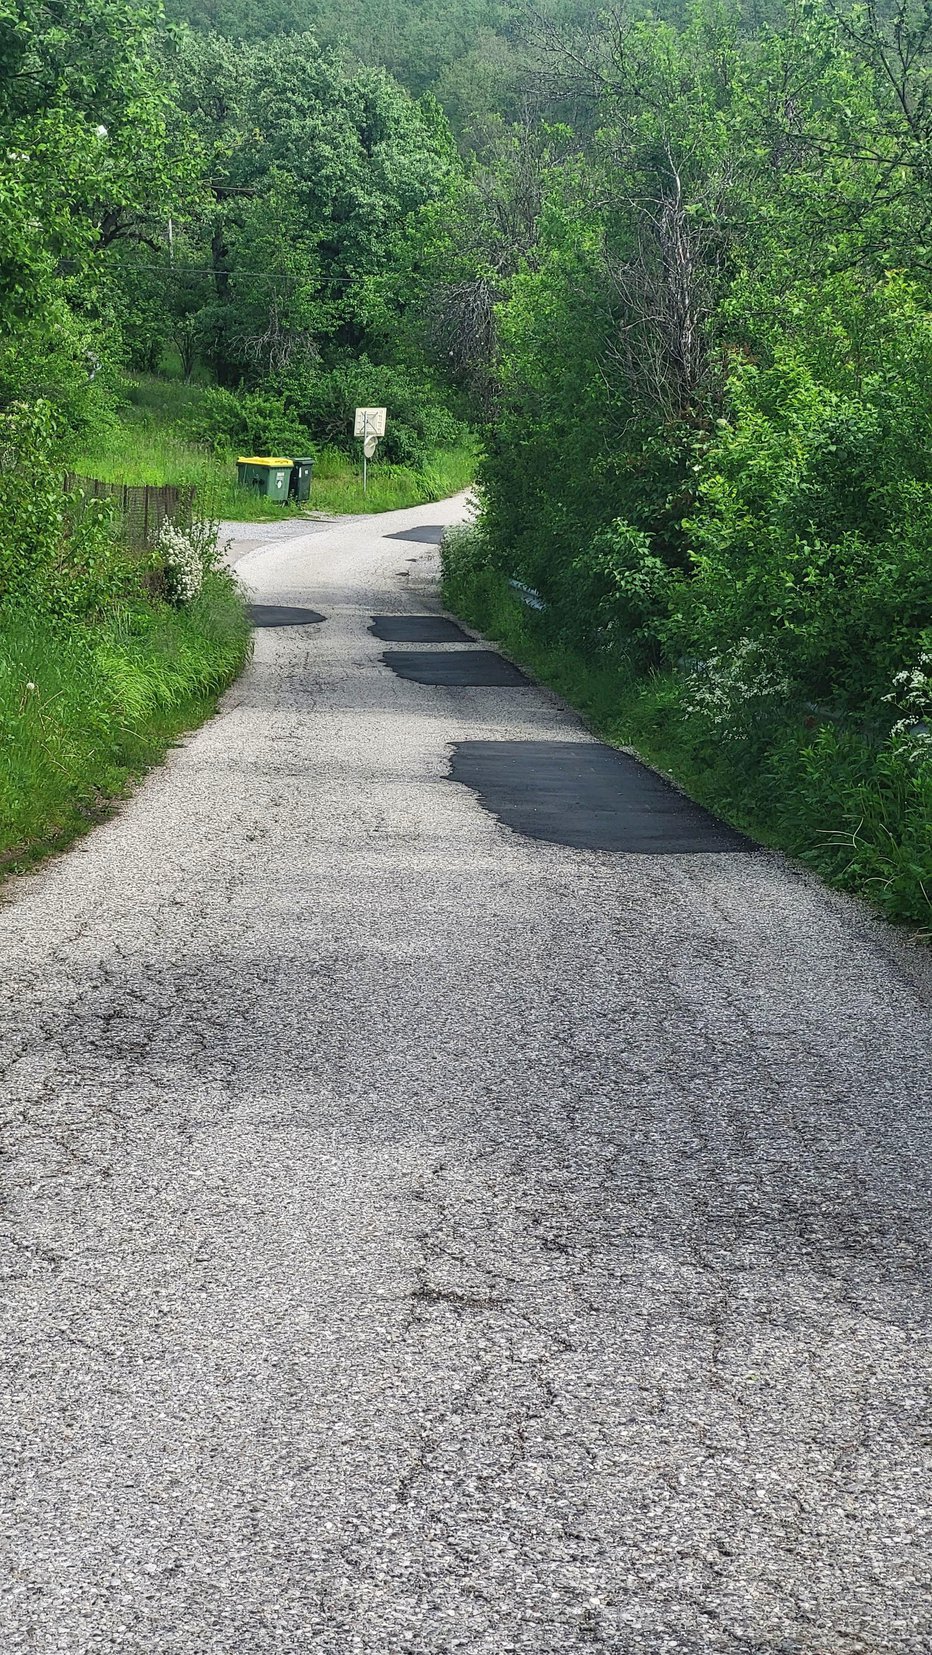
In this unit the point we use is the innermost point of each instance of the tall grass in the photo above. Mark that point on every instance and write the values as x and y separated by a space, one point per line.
84 709
147 443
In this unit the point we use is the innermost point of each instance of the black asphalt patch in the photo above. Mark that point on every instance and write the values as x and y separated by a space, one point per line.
429 534
417 629
457 667
587 796
276 614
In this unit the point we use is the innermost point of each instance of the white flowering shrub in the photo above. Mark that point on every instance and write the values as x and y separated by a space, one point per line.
181 561
186 552
734 690
911 696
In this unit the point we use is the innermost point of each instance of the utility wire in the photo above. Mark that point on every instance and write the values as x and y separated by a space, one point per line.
236 271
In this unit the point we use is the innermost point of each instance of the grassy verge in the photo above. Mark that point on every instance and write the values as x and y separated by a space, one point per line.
84 710
860 816
147 443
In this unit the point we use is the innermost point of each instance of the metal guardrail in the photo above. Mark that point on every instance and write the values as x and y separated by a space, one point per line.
527 594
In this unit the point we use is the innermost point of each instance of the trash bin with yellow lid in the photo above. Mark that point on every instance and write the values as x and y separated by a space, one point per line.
268 477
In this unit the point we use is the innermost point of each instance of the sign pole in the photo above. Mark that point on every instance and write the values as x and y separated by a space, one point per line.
370 426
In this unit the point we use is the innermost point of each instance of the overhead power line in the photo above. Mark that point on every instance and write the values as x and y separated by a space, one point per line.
237 271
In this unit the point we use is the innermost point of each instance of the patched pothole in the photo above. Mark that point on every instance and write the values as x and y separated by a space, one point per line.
427 534
589 797
461 668
417 629
277 614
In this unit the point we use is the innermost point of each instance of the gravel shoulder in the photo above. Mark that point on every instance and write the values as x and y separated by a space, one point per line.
419 1237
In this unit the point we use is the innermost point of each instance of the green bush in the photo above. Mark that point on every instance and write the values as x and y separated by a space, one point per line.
316 409
247 422
66 365
54 559
325 401
812 530
861 815
619 593
464 555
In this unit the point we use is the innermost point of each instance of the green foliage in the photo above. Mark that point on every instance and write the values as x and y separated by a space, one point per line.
52 561
96 672
419 424
475 55
857 811
620 592
466 560
549 475
290 273
247 422
88 158
710 423
812 527
296 247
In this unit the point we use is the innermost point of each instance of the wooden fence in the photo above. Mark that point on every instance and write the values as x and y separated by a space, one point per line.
140 511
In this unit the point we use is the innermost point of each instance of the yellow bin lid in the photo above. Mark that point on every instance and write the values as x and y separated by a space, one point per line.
253 459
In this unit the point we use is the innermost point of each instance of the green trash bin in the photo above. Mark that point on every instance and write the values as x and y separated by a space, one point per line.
269 477
302 472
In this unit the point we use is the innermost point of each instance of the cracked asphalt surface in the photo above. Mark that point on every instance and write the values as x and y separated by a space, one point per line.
421 1238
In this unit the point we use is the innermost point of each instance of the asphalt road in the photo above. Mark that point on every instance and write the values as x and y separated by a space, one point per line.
420 1236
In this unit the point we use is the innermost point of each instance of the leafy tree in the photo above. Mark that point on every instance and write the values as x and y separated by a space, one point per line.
316 182
89 157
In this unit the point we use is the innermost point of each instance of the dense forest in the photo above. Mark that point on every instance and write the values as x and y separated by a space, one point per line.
670 270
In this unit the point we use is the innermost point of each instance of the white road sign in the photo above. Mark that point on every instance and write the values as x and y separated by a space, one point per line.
370 422
369 446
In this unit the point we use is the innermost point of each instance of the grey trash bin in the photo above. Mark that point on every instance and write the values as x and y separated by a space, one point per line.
301 476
